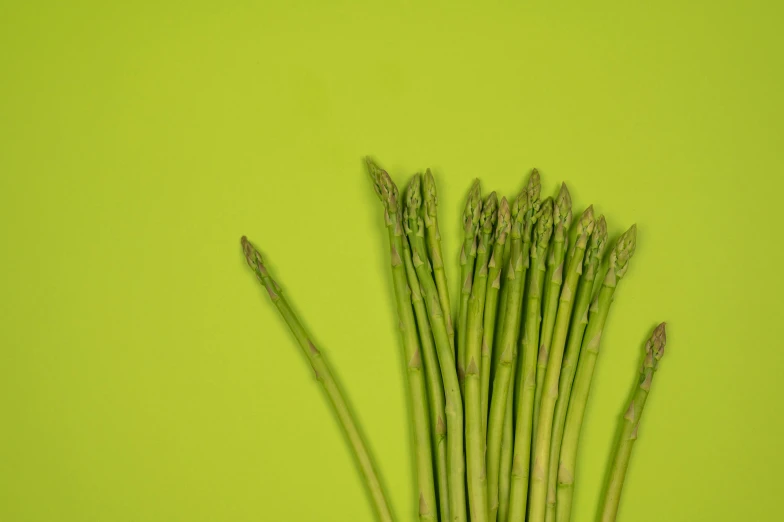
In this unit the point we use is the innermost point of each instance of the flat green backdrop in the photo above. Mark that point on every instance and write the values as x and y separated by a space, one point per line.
145 377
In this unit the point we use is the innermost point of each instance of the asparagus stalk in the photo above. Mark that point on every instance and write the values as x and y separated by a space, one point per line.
562 218
524 214
432 372
475 437
529 341
495 265
544 426
328 383
434 250
453 407
593 257
618 265
654 350
471 215
507 447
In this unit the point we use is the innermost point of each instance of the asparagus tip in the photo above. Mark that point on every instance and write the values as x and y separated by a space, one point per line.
655 345
382 183
252 256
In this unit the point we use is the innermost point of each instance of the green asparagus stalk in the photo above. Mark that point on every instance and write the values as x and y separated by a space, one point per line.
471 215
496 265
618 265
524 214
432 372
434 250
475 437
562 218
328 383
529 342
654 350
593 257
453 407
543 436
507 447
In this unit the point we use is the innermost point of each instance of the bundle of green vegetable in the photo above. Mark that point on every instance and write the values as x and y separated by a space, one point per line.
497 406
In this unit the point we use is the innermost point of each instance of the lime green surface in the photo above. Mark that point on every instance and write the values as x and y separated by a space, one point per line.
144 376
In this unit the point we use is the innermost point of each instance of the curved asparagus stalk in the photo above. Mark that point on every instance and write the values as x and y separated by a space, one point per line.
562 218
432 373
471 215
654 350
597 318
433 236
593 257
543 436
529 341
524 214
453 407
475 437
324 376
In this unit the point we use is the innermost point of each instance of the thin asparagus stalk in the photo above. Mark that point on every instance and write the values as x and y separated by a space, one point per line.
475 437
471 215
328 383
433 236
654 350
619 264
593 257
496 266
453 407
529 342
432 373
562 218
505 468
524 214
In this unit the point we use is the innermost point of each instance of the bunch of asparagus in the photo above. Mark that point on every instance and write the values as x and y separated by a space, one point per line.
497 406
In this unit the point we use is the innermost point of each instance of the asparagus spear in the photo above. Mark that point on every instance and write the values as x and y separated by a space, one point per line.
432 373
544 426
654 350
475 437
619 264
434 250
562 217
453 407
507 447
471 215
593 257
524 214
495 265
529 342
324 376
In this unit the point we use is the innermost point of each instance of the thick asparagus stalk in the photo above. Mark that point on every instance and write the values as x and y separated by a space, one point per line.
619 264
434 250
475 436
453 407
432 372
324 376
593 257
562 218
543 436
654 350
471 215
524 214
529 342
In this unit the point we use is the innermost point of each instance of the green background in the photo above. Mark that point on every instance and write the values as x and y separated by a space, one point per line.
144 376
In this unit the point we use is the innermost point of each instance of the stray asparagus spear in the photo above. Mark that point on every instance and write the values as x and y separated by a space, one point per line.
619 264
654 350
434 250
475 436
432 372
529 342
453 408
324 376
471 215
544 427
524 215
593 257
387 192
562 218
